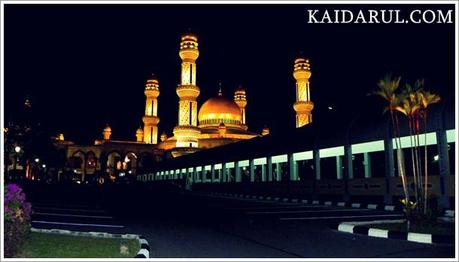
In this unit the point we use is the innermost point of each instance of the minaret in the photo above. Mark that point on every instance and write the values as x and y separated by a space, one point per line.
151 119
186 131
107 132
139 135
241 100
303 105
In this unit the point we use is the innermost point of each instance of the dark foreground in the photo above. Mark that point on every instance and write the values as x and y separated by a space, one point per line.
181 224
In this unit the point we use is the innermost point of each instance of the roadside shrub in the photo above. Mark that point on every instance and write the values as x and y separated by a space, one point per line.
16 218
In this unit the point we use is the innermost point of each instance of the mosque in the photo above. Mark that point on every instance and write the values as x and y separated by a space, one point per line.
219 121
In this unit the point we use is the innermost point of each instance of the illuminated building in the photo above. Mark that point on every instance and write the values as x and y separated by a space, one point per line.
151 119
219 121
108 159
303 105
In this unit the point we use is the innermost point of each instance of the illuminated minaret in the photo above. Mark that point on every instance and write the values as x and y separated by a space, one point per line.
303 105
107 132
139 135
151 119
241 100
186 131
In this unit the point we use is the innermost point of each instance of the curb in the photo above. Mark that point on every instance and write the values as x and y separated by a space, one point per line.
144 251
360 229
317 202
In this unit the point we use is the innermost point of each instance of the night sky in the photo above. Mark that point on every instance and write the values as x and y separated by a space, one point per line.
83 66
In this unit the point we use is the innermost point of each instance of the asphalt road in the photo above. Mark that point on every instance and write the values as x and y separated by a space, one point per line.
184 225
191 226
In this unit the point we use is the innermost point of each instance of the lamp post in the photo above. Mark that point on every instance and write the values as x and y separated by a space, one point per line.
17 150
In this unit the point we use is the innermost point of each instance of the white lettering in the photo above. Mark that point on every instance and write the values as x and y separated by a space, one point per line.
360 16
350 16
312 17
412 18
326 17
432 15
384 16
373 16
398 20
444 19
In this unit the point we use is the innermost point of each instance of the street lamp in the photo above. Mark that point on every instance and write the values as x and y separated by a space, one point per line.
37 160
17 149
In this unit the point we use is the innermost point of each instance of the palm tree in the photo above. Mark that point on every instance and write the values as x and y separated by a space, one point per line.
410 107
387 88
426 99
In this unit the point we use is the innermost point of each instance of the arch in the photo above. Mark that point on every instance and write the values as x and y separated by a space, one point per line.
113 165
91 162
130 163
78 163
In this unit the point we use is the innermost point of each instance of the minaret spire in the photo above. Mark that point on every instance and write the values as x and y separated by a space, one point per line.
303 105
187 131
240 99
151 119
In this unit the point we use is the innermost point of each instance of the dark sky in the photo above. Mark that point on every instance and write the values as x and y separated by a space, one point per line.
84 66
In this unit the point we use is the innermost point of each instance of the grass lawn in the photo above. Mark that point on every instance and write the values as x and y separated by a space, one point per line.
42 245
437 229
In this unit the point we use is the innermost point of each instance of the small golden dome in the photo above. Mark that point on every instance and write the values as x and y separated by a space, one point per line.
218 110
139 131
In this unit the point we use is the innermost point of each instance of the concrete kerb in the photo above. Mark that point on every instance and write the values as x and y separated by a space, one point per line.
364 228
144 251
449 214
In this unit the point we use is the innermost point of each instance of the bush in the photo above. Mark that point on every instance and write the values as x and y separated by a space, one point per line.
16 218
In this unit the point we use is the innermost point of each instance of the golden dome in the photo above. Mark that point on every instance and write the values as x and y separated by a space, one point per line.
219 110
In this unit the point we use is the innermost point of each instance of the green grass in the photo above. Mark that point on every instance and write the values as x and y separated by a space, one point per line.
42 245
437 229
